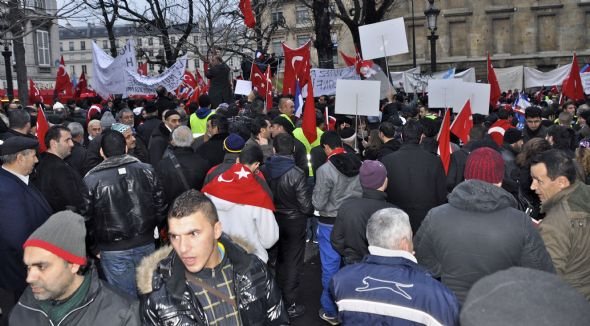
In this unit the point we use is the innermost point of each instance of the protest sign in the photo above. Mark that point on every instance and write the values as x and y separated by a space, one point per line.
442 92
383 39
357 97
137 84
397 77
109 76
324 80
537 78
510 78
243 87
454 93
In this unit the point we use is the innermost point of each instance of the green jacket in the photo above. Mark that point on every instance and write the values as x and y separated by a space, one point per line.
566 232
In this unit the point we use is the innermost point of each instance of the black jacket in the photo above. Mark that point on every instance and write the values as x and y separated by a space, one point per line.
93 157
59 183
477 233
349 237
212 150
229 159
164 103
144 130
77 158
102 305
288 183
166 296
388 148
192 166
125 203
220 89
159 141
417 181
528 134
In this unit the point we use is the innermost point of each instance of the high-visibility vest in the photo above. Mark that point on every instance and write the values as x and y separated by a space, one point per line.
198 125
298 134
288 119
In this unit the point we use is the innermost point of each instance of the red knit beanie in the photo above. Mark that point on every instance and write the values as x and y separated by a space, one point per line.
485 164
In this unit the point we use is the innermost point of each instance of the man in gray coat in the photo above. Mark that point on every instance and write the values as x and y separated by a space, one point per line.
479 231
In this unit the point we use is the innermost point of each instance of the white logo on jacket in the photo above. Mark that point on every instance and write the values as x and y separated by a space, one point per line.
372 284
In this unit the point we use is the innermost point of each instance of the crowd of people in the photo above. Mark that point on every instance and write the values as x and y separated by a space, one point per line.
162 212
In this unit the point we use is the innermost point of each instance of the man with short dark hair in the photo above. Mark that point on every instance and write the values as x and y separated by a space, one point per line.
78 155
151 122
387 134
205 277
261 137
565 202
160 138
419 172
533 127
61 185
498 128
281 125
20 124
292 199
198 119
64 288
217 131
125 203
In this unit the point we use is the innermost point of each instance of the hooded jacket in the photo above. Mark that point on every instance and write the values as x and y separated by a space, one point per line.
477 233
158 143
166 296
336 181
288 184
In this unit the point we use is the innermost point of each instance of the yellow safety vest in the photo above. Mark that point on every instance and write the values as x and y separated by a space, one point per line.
199 126
298 134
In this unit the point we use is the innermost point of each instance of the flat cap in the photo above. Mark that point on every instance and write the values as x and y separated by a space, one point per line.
16 144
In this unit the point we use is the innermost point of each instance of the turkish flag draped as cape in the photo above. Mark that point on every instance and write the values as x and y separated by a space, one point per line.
297 66
62 80
495 92
238 185
463 123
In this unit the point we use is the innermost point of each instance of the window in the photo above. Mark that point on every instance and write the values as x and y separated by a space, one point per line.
151 66
72 71
150 41
71 46
302 15
61 46
334 48
43 58
277 47
197 64
277 17
151 53
105 44
82 45
84 69
35 4
172 40
302 39
196 39
139 42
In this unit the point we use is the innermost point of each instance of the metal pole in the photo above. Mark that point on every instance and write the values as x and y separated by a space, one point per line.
413 37
433 37
386 63
8 68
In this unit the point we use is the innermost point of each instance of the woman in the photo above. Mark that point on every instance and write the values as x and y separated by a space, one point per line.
372 146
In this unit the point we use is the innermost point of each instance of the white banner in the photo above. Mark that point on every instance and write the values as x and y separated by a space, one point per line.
108 73
537 78
467 76
419 82
510 78
586 81
324 80
144 85
397 77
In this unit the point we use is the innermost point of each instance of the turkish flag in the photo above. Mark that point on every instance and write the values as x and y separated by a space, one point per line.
349 61
297 66
187 86
463 123
238 185
308 125
34 93
495 92
142 69
572 86
82 86
268 83
444 141
258 79
62 80
246 9
354 61
42 127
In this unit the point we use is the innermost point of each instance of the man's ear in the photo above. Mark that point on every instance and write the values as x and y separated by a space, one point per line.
563 182
217 229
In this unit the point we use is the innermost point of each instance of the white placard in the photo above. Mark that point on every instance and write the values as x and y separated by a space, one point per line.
357 97
479 94
442 92
383 39
324 80
454 93
243 87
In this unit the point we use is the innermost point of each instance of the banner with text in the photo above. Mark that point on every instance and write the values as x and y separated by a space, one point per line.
324 80
109 73
137 84
586 81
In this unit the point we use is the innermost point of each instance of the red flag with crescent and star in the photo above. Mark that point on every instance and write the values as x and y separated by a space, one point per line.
62 80
258 79
238 185
34 93
187 86
297 67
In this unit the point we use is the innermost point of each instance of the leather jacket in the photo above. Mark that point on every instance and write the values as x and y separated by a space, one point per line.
167 299
288 183
125 202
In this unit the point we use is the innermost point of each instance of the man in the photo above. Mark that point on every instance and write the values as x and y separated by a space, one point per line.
182 169
205 277
300 136
244 204
20 124
144 130
478 137
219 75
260 129
387 134
337 181
64 288
93 156
498 128
232 146
217 131
512 144
282 125
23 209
160 138
533 127
125 117
389 287
125 203
59 183
349 234
94 130
292 199
198 120
467 239
287 108
78 154
565 201
419 172
163 102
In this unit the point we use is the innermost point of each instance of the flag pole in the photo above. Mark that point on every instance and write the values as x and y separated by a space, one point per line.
356 109
386 62
277 75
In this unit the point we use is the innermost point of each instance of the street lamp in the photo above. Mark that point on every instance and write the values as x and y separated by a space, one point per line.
413 37
431 15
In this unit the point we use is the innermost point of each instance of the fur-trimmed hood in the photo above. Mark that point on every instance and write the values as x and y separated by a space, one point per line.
149 264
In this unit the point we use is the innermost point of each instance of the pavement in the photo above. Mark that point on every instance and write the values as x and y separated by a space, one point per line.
310 288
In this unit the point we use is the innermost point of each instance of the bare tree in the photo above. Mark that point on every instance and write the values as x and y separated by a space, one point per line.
322 26
109 11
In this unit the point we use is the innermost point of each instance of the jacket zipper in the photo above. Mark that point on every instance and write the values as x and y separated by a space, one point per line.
44 314
69 313
37 310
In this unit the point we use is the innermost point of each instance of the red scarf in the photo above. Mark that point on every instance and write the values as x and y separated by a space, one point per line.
336 151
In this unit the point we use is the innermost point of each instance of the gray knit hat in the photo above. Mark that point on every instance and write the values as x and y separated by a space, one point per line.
64 235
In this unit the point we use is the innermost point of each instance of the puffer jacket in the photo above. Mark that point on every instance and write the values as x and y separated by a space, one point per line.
566 232
167 299
336 181
125 202
288 184
477 233
101 306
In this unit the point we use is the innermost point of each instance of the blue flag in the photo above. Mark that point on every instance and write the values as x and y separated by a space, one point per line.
298 100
